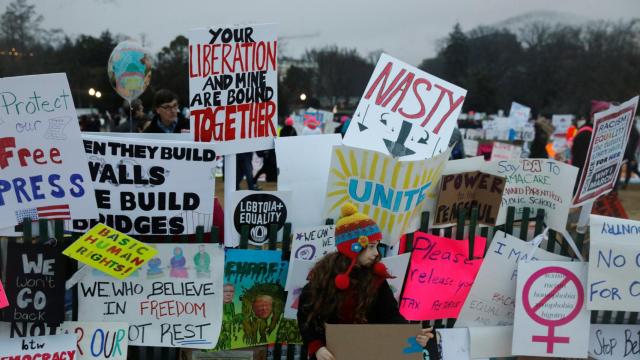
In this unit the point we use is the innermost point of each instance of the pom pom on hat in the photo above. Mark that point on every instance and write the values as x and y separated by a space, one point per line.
289 121
348 209
342 281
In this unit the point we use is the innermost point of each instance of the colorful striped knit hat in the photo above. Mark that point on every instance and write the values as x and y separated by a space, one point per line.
354 232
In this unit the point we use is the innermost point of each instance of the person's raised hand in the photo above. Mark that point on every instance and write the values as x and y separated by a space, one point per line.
424 336
324 354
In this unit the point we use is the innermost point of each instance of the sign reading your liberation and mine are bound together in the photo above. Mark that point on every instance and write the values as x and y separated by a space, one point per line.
233 86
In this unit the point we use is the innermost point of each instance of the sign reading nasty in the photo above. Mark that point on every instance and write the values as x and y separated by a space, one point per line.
466 191
110 251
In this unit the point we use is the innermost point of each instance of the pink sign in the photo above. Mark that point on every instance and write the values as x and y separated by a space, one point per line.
3 297
440 276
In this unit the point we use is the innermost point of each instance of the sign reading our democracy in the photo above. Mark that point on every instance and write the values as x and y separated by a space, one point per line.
60 347
150 187
611 129
390 191
233 92
614 264
175 300
405 112
440 276
44 171
110 251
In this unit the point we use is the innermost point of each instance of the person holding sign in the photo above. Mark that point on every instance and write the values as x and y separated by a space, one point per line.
349 286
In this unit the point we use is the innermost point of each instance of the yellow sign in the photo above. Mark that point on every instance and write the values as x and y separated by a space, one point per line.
110 251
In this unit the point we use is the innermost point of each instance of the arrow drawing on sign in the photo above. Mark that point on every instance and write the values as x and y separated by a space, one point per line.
397 148
425 138
382 119
362 126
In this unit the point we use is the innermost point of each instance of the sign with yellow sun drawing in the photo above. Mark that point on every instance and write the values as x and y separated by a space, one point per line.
392 192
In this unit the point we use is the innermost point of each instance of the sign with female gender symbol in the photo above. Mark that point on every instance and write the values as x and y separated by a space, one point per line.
551 318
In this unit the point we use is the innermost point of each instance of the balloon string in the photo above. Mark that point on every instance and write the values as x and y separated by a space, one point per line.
130 118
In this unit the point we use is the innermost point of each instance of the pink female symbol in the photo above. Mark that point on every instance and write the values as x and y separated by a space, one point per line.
551 339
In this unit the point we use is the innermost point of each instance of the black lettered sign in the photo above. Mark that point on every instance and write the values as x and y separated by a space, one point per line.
35 283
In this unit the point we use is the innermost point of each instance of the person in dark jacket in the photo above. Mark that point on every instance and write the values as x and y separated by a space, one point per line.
349 286
167 117
582 139
138 117
288 129
543 132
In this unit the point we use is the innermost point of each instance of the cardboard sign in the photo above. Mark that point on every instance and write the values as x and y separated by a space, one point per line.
440 276
308 183
611 129
468 190
233 86
374 341
258 210
502 151
3 297
98 340
150 187
44 175
35 283
614 264
391 192
173 301
405 112
110 251
614 342
254 298
296 280
551 316
43 347
490 341
491 300
536 184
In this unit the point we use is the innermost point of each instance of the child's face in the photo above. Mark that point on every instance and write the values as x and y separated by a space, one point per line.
368 255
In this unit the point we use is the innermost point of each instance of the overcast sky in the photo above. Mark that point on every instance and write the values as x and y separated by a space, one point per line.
407 29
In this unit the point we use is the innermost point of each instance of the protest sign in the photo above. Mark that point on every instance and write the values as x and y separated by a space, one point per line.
61 347
3 297
397 267
614 342
35 283
454 344
537 184
490 341
391 192
375 341
308 183
173 301
150 187
614 264
44 172
258 210
110 251
470 147
296 280
502 151
98 340
518 115
611 129
233 86
561 123
440 276
254 298
491 300
469 190
405 112
311 244
551 318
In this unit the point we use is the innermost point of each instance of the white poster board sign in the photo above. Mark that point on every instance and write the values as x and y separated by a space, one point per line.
308 183
518 115
551 317
614 342
490 341
470 147
39 347
311 244
614 264
174 300
258 210
405 112
397 267
491 300
295 282
150 187
43 167
233 86
502 151
611 129
561 123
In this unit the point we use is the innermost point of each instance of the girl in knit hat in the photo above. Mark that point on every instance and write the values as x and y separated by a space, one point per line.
349 286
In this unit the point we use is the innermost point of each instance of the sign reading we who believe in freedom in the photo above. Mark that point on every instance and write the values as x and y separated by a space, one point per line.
405 112
233 86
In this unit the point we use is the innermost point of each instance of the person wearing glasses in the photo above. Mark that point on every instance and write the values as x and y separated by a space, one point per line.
167 117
